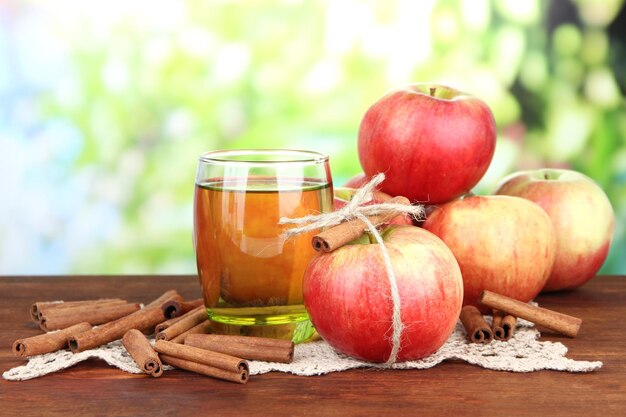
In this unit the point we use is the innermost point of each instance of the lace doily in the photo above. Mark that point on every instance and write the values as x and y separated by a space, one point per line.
522 353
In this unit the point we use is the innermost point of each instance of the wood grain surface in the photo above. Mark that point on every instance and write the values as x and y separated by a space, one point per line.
93 388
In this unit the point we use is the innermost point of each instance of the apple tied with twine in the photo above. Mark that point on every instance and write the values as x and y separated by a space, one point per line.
355 211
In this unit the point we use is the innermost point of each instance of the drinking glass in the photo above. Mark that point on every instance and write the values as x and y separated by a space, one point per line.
250 273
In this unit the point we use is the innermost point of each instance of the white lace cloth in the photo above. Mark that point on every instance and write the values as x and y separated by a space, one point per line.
523 353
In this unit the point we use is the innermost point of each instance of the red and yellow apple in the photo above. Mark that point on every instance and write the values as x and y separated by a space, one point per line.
348 296
503 244
434 143
582 217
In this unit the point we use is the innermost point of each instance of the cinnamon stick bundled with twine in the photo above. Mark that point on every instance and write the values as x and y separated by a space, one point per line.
336 237
351 222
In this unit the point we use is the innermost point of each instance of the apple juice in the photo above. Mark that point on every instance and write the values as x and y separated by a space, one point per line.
251 274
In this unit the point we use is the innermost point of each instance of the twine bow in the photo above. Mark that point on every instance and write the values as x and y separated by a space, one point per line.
355 210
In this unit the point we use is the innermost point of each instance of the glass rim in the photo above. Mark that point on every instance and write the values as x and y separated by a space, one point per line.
291 156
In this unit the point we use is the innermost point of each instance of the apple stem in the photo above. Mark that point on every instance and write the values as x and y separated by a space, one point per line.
370 236
432 91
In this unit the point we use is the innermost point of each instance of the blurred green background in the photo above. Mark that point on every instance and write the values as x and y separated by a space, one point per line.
105 106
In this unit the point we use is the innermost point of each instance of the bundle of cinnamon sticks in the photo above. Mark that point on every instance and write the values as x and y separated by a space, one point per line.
505 313
74 321
479 331
218 356
174 321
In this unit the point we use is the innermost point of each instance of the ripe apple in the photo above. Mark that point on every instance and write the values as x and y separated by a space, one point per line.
344 194
582 217
347 295
503 244
433 143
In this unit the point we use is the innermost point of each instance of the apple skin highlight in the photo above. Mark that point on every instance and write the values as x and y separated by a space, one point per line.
347 295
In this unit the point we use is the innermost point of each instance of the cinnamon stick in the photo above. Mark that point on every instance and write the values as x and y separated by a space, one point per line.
176 308
37 308
167 323
559 322
60 318
189 320
204 362
206 370
201 328
142 352
478 331
48 342
337 236
146 318
164 298
503 325
247 347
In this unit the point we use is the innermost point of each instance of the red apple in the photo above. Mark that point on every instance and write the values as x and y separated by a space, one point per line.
347 295
503 244
344 194
433 143
357 181
582 216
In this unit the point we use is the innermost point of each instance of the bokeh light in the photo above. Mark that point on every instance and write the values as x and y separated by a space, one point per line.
105 106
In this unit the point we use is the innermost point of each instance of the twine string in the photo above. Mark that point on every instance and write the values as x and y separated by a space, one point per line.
354 210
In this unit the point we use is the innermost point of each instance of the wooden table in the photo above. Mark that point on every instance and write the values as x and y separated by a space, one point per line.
94 388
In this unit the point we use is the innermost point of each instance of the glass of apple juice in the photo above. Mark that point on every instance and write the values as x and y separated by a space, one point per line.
250 273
